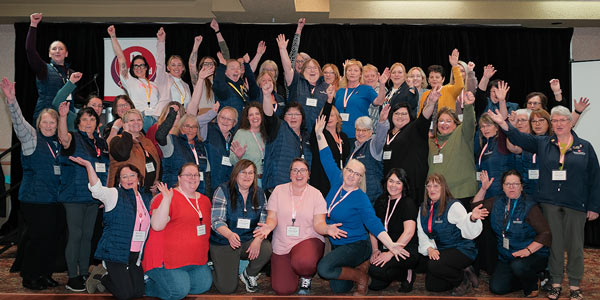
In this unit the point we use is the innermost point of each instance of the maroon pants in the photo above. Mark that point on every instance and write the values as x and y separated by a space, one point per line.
301 261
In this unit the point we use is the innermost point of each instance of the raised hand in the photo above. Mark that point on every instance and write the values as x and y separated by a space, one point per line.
63 108
197 41
161 35
216 106
497 117
222 59
267 87
75 77
336 233
502 91
385 111
330 93
581 105
488 71
262 231
261 48
206 72
301 23
166 192
246 58
471 66
555 86
80 161
237 149
486 181
479 213
111 31
9 90
434 95
470 99
35 19
281 41
385 76
453 58
320 125
214 25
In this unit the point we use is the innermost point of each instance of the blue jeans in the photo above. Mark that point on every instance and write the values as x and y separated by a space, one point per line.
518 274
174 284
148 121
349 255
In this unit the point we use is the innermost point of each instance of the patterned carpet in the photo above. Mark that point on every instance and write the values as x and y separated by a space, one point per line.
11 282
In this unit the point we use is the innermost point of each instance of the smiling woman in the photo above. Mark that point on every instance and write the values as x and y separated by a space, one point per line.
171 86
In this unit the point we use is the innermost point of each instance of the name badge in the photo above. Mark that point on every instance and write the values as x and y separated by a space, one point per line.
460 117
387 155
201 176
100 167
225 161
534 174
384 247
56 170
69 98
517 222
293 231
559 175
149 111
478 175
345 116
505 243
139 236
438 159
438 221
200 230
150 167
311 102
243 223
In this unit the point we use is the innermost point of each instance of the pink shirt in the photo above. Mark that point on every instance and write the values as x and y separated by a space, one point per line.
142 223
283 204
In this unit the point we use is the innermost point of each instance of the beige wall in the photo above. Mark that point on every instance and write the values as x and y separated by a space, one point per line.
7 69
586 43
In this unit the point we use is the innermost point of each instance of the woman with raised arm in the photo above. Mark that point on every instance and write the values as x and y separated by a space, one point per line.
348 221
449 92
406 145
492 95
249 140
64 93
446 232
208 97
171 86
80 206
176 255
400 91
567 200
120 105
239 205
276 99
306 87
50 77
135 79
38 193
522 235
271 67
126 223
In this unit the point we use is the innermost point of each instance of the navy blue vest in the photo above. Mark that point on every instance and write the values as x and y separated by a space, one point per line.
48 88
182 154
524 163
445 234
495 163
373 167
303 91
39 183
216 148
119 223
232 216
73 177
520 234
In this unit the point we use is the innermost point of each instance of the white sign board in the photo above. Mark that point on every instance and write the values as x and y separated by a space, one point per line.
585 78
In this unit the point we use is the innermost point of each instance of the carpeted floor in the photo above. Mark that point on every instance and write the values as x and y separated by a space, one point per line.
11 282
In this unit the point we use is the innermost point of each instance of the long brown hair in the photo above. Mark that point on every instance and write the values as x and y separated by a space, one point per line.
245 123
233 189
445 194
207 83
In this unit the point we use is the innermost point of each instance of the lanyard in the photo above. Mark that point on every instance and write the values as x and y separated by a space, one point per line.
195 154
388 140
430 217
148 90
261 146
312 91
240 92
294 202
97 149
64 79
54 153
533 159
196 208
347 97
563 151
182 95
438 145
388 214
141 209
483 151
506 218
275 104
332 205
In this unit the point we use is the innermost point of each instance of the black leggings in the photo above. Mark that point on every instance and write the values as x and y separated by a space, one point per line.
125 281
447 272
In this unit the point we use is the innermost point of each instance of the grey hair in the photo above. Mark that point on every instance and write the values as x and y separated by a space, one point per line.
523 111
561 111
364 122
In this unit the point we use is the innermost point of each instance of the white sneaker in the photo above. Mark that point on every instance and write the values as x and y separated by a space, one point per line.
251 282
305 284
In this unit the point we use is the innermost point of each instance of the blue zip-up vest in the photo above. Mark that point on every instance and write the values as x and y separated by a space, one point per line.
495 163
520 234
524 163
217 148
73 177
445 234
182 154
48 88
373 167
279 155
302 91
232 216
119 223
39 183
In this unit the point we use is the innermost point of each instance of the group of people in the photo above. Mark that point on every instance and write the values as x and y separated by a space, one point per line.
361 177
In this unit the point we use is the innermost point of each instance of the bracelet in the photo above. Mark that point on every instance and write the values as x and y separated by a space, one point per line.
577 112
116 127
529 250
218 31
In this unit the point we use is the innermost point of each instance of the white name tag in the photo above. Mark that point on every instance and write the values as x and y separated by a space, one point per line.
384 247
534 174
311 102
559 175
100 167
505 243
438 159
200 230
345 116
387 155
201 176
56 170
293 231
478 175
69 98
225 161
150 167
243 223
139 236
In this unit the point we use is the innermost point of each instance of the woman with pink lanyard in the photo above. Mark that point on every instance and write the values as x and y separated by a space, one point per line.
249 140
126 224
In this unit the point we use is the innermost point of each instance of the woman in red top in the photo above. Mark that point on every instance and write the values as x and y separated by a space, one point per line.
177 247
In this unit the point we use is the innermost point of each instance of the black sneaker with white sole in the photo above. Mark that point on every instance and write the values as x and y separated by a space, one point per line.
76 284
251 282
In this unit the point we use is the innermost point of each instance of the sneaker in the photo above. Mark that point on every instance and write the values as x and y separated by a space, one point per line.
91 284
463 288
76 284
251 282
305 284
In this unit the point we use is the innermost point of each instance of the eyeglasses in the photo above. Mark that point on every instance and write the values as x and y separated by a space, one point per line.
226 119
521 120
190 126
328 73
538 121
534 103
142 66
192 176
293 115
311 68
446 122
361 130
433 186
208 64
247 173
126 105
352 172
512 184
95 105
401 113
123 177
301 171
559 121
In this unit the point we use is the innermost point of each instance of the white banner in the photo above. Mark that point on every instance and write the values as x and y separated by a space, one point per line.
131 47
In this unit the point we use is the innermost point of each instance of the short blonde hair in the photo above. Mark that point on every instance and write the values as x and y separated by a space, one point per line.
49 111
270 63
363 180
188 117
423 76
351 62
233 111
131 112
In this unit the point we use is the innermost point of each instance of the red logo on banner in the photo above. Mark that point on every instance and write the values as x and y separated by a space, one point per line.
129 54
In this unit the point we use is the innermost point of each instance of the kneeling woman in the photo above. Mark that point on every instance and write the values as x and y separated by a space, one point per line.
177 249
126 223
238 206
348 261
446 232
522 233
